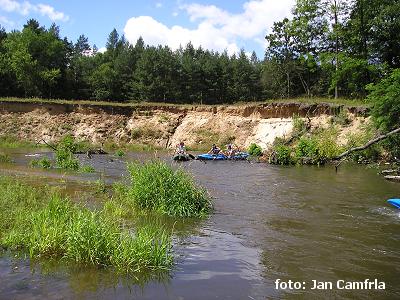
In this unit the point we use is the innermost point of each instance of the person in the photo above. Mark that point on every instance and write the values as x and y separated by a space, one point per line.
215 150
180 149
230 151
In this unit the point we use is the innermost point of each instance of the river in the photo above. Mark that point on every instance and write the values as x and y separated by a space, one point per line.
270 222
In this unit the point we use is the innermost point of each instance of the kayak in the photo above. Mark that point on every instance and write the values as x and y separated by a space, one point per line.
181 157
395 202
237 156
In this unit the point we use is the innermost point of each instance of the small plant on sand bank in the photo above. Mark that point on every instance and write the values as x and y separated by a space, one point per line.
299 125
119 153
255 150
156 186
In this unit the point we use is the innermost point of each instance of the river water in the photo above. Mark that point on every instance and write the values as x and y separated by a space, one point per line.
270 222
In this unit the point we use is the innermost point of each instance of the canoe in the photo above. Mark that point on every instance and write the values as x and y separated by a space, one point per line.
237 156
395 202
181 157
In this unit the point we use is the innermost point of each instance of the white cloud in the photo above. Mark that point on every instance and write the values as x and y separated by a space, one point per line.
25 8
5 21
47 10
155 33
217 29
159 4
102 50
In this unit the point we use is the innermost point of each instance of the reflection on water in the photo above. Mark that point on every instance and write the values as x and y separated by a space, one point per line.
300 223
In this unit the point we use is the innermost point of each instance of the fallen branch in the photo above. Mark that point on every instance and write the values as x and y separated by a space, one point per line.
48 145
88 152
370 143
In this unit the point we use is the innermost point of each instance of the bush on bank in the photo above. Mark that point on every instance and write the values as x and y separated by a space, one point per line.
307 149
385 100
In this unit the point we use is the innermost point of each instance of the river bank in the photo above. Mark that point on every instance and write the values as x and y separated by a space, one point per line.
163 126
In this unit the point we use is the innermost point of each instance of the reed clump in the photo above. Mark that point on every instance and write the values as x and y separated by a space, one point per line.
45 224
156 186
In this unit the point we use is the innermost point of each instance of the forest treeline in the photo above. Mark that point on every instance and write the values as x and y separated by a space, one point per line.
329 48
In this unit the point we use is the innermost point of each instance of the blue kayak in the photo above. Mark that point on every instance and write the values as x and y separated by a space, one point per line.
237 156
395 202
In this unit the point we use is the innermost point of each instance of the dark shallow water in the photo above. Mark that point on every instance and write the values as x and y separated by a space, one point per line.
299 223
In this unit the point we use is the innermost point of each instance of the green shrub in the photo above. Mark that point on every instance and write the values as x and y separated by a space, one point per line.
136 133
358 139
327 145
156 186
299 125
283 155
255 150
65 158
119 153
306 151
43 163
385 100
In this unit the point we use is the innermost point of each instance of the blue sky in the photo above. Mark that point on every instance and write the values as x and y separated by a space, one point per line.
216 25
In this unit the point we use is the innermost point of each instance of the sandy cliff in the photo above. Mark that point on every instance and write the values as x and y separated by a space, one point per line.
164 126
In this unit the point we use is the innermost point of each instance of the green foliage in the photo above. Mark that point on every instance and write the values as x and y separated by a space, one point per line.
65 158
385 100
324 48
341 118
156 186
44 224
100 187
307 148
255 150
7 141
283 155
299 125
314 150
120 153
327 145
87 169
5 158
357 139
43 163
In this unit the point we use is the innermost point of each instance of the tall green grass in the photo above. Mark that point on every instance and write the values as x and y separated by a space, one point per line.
5 158
13 142
158 187
45 224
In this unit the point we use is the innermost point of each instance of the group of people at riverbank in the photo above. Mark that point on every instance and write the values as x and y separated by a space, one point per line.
229 152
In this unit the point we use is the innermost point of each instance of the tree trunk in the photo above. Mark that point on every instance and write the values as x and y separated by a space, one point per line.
336 47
